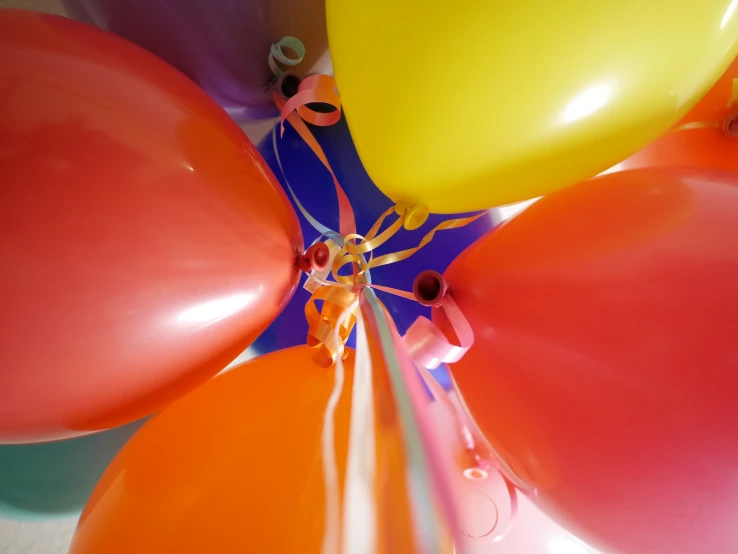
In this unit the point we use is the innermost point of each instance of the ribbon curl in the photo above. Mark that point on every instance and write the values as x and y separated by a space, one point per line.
427 343
277 54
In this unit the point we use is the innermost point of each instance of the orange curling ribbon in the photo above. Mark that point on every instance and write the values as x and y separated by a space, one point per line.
329 328
347 223
314 89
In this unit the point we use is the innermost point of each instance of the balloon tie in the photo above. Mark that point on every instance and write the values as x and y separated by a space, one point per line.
316 258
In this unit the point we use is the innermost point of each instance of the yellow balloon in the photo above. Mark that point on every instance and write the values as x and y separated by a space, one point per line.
470 104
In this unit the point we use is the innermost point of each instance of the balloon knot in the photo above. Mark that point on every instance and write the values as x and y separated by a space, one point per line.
287 85
731 126
430 288
315 258
414 216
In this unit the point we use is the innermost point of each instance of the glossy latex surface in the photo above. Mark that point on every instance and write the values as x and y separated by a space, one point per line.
145 243
236 467
223 45
605 360
473 104
706 137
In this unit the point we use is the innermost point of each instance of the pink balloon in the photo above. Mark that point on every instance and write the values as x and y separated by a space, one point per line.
492 521
144 241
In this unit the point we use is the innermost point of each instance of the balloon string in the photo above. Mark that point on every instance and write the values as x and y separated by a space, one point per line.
322 229
360 507
421 454
347 223
328 454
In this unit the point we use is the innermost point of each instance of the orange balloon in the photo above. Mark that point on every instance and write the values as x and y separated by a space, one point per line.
236 467
706 137
145 242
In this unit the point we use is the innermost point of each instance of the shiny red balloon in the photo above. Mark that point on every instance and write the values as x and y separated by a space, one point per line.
144 241
706 137
605 364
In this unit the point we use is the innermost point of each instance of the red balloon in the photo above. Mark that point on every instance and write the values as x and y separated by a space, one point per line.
604 372
145 243
706 137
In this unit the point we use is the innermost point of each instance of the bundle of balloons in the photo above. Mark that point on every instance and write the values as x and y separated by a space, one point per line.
421 379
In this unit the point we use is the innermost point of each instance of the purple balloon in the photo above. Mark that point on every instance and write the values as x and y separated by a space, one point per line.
223 45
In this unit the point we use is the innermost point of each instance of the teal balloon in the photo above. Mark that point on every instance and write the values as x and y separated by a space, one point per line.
55 479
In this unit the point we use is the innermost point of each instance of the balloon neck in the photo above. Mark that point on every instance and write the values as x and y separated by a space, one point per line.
731 127
430 288
315 258
288 85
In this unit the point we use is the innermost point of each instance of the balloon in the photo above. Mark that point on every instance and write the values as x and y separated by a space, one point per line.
313 186
236 467
706 137
473 104
223 45
603 372
492 519
146 242
39 481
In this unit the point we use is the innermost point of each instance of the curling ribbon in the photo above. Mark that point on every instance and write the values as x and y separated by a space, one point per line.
428 345
347 223
330 327
277 54
360 505
424 467
328 457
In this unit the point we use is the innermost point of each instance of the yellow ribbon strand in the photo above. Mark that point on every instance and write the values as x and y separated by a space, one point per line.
324 323
330 327
405 254
734 98
732 103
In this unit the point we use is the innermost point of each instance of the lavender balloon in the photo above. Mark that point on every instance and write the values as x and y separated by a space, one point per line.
223 45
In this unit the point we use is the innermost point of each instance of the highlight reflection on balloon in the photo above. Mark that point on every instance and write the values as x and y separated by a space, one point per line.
147 242
603 370
236 466
508 101
706 137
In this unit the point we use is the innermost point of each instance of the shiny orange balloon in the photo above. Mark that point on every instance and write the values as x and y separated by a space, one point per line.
604 371
145 242
706 137
236 467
